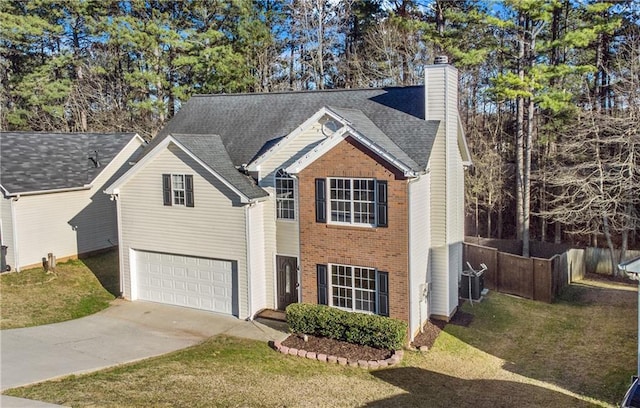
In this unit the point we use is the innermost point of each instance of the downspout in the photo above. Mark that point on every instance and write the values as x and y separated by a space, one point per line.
247 218
16 257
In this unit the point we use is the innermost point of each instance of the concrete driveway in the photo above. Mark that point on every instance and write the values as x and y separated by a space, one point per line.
124 332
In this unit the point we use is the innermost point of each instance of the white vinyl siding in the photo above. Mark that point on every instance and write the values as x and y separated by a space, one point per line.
439 258
70 223
419 244
214 228
446 189
287 231
257 252
269 226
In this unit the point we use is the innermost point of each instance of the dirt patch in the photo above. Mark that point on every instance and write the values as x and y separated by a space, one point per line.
432 329
330 347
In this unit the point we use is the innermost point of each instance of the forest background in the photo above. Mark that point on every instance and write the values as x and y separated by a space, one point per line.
549 89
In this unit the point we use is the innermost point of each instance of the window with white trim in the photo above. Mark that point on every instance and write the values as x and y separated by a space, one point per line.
353 288
285 196
352 201
178 189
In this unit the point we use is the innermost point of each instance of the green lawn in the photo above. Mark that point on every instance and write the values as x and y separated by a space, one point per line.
33 297
578 352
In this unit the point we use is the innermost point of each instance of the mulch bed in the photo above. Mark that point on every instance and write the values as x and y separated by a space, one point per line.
331 347
354 352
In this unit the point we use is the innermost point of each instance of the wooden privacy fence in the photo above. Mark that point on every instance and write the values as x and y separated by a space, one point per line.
532 278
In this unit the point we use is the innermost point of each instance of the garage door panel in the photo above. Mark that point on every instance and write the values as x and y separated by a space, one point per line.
186 281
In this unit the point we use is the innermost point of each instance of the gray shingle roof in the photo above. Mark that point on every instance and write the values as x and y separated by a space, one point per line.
211 151
246 122
35 161
360 122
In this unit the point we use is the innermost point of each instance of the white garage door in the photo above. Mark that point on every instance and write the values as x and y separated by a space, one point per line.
180 280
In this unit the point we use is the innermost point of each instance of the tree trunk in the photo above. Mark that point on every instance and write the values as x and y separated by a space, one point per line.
520 136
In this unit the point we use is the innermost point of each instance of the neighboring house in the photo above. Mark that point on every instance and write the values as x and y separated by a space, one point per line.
345 197
52 193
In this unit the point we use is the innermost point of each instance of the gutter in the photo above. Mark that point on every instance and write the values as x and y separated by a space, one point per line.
55 190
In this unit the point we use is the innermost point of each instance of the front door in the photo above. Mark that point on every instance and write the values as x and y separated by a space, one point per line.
287 281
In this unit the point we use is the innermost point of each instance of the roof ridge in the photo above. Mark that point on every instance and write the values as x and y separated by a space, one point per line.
309 91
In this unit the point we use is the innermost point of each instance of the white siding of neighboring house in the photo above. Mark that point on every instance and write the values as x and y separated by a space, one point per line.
419 243
70 223
214 228
288 237
6 229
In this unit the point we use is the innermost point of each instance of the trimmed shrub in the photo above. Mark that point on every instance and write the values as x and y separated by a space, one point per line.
357 328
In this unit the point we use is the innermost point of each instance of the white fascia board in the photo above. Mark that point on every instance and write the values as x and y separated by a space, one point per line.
115 187
465 153
55 190
255 165
135 138
333 140
323 147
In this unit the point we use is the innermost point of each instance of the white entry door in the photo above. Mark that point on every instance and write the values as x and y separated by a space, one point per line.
181 280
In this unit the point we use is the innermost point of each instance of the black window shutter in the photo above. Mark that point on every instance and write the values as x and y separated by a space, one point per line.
188 190
381 203
321 200
166 188
323 287
383 293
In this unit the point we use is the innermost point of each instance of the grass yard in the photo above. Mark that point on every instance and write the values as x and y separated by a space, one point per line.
33 297
578 352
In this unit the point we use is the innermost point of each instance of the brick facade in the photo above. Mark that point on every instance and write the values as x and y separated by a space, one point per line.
385 249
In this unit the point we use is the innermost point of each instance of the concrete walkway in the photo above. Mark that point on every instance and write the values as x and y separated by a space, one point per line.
122 333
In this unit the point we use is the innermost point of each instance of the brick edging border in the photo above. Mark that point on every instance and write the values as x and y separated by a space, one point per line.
395 358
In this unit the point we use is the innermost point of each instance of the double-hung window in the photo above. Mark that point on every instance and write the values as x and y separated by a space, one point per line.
285 196
353 288
177 189
352 201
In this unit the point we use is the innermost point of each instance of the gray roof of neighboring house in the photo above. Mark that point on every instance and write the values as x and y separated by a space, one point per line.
211 151
38 161
247 123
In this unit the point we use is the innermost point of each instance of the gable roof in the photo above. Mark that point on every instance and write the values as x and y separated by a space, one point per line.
210 153
362 124
248 122
33 162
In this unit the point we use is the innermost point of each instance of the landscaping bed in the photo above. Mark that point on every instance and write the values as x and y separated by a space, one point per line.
330 347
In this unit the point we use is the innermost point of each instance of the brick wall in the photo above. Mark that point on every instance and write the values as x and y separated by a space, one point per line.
383 248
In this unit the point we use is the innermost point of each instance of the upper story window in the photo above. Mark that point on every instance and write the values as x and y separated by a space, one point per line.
285 196
177 189
353 201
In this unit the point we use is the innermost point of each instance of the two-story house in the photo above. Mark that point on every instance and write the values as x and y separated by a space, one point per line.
350 198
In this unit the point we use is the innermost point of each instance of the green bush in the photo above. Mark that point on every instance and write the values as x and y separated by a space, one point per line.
357 328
